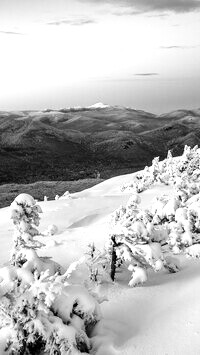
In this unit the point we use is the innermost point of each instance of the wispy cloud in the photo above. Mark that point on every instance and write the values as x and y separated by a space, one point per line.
75 22
130 12
11 33
128 78
127 12
145 74
178 47
153 5
161 15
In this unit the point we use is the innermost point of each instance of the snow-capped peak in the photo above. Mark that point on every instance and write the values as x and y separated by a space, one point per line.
98 105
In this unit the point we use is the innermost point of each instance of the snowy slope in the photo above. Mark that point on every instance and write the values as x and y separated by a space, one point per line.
159 318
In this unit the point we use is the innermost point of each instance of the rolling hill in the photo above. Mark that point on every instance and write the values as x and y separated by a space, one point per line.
74 143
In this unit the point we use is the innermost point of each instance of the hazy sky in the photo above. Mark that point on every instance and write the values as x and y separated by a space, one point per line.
139 53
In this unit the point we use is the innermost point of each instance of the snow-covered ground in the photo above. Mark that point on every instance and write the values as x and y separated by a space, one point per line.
161 317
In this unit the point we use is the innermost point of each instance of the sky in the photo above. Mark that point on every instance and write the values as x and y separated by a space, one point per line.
143 54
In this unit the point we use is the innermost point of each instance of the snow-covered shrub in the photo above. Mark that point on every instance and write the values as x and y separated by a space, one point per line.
65 196
136 257
50 316
193 251
98 264
41 311
163 209
185 230
173 222
141 181
51 230
169 171
189 161
180 217
146 239
134 242
137 238
147 177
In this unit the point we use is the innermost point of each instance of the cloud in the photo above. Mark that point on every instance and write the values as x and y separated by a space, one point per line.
161 15
145 74
128 78
10 33
125 12
77 22
178 47
130 12
142 6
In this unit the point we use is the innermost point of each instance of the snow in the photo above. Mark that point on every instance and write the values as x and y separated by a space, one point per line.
25 199
98 105
158 318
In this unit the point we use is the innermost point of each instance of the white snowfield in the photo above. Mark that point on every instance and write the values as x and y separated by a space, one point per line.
161 317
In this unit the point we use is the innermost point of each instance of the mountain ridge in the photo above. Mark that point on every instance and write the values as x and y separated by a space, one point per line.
75 143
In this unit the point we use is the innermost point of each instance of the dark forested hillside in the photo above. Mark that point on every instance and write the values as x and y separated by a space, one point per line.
70 144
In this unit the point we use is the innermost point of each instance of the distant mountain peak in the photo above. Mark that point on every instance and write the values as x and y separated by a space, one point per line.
98 105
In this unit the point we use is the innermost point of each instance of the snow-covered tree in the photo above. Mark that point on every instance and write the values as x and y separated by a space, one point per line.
25 217
134 244
41 311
